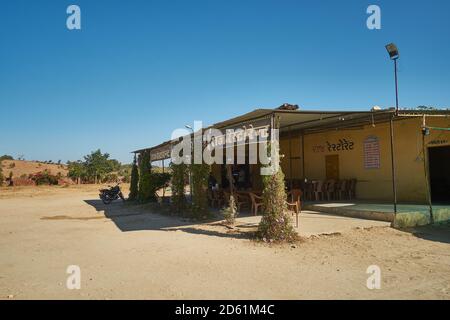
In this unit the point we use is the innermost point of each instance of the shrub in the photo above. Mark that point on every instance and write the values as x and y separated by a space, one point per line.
2 178
230 212
134 181
160 180
125 172
6 157
275 224
44 178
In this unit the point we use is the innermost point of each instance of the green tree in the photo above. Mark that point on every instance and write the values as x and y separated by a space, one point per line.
77 170
98 165
134 181
114 164
146 189
6 157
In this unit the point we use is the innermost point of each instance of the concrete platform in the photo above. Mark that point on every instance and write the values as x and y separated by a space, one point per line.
314 223
408 215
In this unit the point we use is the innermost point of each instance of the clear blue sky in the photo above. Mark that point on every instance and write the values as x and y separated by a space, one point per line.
139 69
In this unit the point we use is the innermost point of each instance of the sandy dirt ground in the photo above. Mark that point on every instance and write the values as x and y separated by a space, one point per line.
127 252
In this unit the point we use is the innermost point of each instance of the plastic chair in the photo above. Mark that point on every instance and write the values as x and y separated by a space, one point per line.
318 190
330 188
256 203
294 201
341 190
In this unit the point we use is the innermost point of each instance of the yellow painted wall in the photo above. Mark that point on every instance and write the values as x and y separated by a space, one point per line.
373 184
296 154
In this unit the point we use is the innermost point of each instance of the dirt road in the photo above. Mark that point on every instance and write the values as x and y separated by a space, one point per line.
126 252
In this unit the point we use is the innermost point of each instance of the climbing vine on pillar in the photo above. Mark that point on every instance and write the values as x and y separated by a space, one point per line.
179 176
200 174
134 181
146 190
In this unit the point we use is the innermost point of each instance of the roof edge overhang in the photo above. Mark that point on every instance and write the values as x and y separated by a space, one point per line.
327 120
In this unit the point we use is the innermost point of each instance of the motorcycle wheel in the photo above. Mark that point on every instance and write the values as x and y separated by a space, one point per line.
106 200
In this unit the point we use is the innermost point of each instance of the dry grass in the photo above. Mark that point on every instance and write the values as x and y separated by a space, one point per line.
24 168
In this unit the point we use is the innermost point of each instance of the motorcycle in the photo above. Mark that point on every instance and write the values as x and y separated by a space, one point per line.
111 194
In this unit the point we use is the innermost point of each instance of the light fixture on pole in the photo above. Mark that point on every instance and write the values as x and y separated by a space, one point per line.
190 158
394 55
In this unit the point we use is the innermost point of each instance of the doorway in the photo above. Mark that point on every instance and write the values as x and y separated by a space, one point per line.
332 166
439 168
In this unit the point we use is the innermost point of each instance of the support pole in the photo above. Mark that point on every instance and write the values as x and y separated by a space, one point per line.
290 160
394 180
164 187
190 168
425 168
230 178
303 155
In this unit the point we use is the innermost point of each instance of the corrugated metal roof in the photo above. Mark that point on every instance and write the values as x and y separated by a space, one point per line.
253 115
312 120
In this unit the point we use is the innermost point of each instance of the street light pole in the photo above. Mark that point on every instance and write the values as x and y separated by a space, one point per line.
393 54
396 86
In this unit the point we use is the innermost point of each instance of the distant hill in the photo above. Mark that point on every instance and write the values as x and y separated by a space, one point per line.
23 168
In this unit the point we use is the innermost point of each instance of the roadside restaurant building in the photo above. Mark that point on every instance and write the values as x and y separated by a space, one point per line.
380 155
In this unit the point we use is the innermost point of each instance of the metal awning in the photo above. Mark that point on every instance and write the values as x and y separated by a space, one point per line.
303 120
315 121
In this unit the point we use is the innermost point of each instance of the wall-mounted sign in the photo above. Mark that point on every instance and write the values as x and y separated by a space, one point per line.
342 145
160 154
318 148
371 153
238 136
438 141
